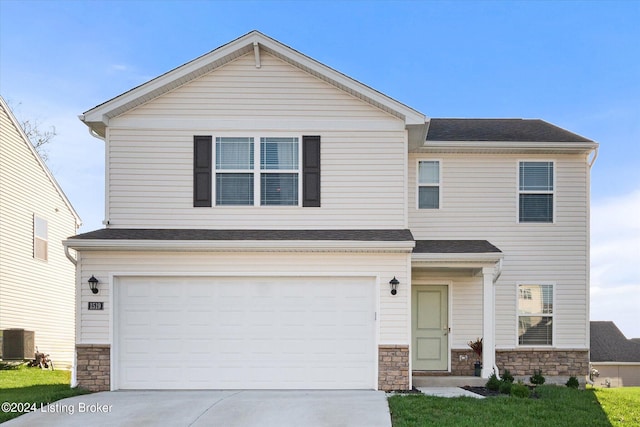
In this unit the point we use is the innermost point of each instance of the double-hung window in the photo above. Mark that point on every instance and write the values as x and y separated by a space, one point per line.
279 171
535 314
234 171
535 192
429 184
248 172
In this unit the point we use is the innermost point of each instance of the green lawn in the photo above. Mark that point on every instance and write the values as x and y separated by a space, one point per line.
33 385
622 405
557 406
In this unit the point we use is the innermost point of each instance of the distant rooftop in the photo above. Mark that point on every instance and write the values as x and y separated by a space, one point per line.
520 130
608 344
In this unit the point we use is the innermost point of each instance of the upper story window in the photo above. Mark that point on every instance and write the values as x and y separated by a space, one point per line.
535 314
256 171
40 238
536 192
429 184
279 171
248 173
234 171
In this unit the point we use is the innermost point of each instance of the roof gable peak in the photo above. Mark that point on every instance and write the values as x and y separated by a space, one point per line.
98 117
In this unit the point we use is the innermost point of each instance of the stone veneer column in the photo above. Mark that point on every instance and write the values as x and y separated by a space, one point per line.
93 367
393 367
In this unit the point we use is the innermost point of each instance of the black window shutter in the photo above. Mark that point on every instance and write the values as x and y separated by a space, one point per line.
202 164
311 171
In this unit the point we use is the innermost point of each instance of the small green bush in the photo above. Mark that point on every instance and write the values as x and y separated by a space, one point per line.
520 390
537 378
505 387
507 377
573 382
6 366
493 383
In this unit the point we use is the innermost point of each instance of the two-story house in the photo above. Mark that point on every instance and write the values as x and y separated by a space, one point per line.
37 292
272 223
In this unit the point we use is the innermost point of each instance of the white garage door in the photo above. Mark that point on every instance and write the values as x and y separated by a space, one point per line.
245 333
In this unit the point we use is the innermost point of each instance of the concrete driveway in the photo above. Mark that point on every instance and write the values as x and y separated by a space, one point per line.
215 408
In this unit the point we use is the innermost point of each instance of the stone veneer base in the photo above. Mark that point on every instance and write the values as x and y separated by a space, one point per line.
93 367
522 362
393 367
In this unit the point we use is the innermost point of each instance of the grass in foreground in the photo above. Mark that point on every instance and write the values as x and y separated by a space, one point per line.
34 385
557 406
622 405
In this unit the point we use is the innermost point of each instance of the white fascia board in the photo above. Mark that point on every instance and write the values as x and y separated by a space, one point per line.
190 70
510 146
411 116
468 260
102 111
240 245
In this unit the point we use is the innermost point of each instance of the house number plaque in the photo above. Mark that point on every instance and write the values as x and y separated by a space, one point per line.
93 305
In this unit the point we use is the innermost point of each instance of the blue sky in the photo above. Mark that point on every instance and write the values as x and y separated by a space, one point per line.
575 64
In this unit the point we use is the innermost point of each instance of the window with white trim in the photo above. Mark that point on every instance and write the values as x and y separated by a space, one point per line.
536 192
429 184
279 171
535 315
40 238
262 174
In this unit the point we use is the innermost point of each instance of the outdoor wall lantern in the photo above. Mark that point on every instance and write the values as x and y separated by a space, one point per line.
93 284
394 285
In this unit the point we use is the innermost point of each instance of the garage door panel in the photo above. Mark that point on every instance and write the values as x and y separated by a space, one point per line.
206 333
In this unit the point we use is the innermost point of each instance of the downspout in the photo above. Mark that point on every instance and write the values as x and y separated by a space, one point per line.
96 135
593 159
495 279
71 258
499 273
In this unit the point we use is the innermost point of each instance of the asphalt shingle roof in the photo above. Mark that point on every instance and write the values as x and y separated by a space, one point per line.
189 234
608 344
454 246
516 130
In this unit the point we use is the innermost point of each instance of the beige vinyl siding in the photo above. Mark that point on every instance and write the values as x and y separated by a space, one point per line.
392 314
613 374
34 294
465 304
150 151
480 201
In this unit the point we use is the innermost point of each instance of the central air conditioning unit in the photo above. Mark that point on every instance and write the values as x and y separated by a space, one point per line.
18 344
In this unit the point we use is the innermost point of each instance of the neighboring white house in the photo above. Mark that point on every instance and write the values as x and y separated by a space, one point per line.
37 290
273 223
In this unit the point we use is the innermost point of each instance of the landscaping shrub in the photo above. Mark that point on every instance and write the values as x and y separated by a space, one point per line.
507 377
505 387
4 366
493 383
573 382
537 377
520 390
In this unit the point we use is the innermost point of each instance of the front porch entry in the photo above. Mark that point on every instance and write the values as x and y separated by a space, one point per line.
430 327
442 270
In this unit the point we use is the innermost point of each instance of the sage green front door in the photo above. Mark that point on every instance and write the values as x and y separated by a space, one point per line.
430 327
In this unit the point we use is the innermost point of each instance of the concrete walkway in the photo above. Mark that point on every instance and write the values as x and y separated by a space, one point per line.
215 408
448 392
